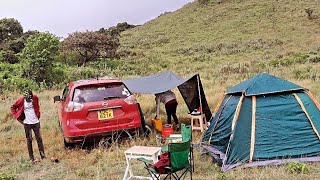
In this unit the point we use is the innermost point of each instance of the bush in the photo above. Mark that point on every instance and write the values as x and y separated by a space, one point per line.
313 59
11 78
18 83
106 64
222 176
8 56
297 167
7 177
235 68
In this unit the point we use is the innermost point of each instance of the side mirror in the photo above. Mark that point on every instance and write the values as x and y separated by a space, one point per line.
56 98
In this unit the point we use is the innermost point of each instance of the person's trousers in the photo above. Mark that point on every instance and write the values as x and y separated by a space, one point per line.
36 129
171 110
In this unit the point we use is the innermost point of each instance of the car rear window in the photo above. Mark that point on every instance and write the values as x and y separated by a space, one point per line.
100 92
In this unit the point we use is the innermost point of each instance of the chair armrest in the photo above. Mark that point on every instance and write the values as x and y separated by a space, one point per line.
172 138
148 162
169 168
164 148
151 169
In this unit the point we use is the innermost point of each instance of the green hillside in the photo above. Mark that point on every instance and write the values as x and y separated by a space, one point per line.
230 39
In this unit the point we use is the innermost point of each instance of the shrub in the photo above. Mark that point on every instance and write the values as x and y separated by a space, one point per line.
313 59
290 60
204 2
235 68
309 12
8 56
222 176
7 177
306 73
38 56
11 78
297 167
106 64
18 83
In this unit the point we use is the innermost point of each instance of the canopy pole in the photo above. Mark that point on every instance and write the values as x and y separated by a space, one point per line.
198 81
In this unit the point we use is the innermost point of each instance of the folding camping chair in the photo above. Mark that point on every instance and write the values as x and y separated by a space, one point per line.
180 162
186 133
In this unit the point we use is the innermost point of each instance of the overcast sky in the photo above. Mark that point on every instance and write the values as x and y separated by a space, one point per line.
62 17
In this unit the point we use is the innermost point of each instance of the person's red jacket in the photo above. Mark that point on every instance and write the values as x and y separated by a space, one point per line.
18 106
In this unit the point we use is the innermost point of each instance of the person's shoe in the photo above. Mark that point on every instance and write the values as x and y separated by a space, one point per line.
35 161
42 155
178 127
54 159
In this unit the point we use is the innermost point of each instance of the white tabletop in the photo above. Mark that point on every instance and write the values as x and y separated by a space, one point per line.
143 150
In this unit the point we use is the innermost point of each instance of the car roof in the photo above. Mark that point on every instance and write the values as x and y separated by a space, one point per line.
100 80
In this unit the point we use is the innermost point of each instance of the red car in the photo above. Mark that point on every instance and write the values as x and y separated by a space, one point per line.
96 108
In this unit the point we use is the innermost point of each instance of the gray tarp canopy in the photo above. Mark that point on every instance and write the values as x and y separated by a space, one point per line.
155 83
191 88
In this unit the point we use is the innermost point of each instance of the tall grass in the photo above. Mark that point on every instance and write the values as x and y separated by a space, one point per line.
106 162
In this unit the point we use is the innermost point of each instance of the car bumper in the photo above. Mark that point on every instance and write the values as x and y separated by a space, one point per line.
73 135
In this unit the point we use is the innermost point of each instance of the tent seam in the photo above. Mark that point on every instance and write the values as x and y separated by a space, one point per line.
215 124
232 127
313 99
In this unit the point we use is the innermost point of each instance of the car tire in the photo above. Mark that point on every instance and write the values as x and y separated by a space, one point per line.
68 145
120 135
146 132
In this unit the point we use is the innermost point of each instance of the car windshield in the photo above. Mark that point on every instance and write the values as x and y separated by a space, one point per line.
100 92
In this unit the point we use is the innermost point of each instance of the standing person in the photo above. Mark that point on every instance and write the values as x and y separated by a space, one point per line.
168 98
27 111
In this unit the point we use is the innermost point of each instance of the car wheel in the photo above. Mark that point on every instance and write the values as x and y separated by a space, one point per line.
118 136
68 145
146 132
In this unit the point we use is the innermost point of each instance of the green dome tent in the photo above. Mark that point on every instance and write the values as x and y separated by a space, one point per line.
264 120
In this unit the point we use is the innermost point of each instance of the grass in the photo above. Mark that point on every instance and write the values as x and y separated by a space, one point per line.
104 162
226 42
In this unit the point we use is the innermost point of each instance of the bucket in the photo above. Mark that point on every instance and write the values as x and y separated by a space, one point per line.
157 124
167 130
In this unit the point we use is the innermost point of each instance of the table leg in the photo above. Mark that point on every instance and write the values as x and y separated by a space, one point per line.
130 169
201 123
126 173
125 177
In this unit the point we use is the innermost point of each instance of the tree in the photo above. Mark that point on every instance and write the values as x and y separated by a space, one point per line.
38 56
9 29
8 57
116 30
91 45
11 47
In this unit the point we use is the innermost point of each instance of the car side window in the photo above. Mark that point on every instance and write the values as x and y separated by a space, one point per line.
65 93
125 91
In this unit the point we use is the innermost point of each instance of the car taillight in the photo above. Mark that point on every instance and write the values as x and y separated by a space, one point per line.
73 106
131 100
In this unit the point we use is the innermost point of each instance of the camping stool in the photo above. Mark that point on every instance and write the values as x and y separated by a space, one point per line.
199 120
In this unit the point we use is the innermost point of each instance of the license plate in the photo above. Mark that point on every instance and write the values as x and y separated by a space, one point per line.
105 114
